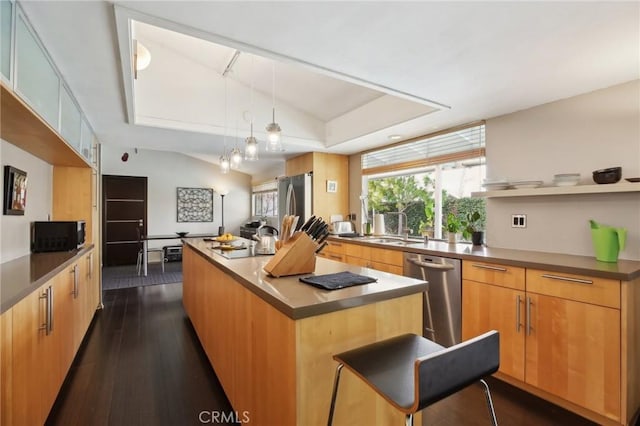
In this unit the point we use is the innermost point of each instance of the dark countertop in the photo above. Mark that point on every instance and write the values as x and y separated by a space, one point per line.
624 270
21 276
298 300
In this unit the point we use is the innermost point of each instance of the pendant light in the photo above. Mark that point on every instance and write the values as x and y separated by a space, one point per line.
273 128
236 155
251 143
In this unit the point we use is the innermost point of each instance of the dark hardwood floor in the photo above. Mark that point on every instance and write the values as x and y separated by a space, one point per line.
141 364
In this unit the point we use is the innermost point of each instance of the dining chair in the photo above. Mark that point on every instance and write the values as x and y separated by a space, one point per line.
149 250
412 372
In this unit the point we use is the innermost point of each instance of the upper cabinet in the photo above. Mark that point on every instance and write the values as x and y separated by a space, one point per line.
87 144
38 113
36 80
334 168
6 38
70 120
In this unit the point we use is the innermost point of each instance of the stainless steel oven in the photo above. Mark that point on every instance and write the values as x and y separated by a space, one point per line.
442 302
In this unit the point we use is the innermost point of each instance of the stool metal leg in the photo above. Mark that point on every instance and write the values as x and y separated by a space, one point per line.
492 412
336 381
408 420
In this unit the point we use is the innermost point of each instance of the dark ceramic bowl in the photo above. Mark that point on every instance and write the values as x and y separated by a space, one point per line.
610 175
181 234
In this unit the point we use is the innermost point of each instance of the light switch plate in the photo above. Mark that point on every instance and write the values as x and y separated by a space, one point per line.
518 220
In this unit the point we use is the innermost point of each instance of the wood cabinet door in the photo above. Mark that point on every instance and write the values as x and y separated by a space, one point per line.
6 357
64 317
28 366
487 307
385 267
573 351
93 285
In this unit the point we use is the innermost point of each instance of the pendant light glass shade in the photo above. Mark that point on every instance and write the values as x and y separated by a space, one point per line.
236 158
225 164
273 129
251 147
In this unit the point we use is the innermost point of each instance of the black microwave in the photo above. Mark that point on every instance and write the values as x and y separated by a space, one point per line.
57 235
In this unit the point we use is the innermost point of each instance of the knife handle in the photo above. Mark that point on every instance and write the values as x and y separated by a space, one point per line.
323 245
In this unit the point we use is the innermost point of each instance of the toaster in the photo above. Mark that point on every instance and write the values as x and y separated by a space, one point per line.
342 227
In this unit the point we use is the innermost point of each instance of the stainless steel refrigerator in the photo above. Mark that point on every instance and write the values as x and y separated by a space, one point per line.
295 197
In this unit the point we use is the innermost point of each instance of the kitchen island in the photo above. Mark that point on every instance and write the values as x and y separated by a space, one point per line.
271 340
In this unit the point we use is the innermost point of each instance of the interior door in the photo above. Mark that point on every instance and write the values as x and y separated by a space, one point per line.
124 212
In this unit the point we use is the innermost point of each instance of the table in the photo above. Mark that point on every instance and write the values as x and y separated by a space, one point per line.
146 238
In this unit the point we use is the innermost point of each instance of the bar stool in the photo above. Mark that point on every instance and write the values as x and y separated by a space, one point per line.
412 372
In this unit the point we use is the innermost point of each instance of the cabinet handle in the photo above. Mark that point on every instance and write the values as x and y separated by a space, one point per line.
518 314
74 271
528 316
561 278
48 316
50 310
493 268
334 256
90 269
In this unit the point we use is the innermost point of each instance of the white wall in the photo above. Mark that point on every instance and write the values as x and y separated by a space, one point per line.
15 231
167 171
576 135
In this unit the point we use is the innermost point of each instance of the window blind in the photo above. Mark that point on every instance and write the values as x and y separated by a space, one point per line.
450 145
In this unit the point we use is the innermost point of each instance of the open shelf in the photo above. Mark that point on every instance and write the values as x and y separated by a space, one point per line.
622 186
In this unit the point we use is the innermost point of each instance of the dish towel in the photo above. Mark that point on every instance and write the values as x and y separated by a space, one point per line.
337 280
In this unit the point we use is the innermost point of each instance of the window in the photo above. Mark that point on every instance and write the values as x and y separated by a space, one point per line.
264 199
429 180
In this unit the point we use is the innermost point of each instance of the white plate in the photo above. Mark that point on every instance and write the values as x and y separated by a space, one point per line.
526 184
565 182
495 186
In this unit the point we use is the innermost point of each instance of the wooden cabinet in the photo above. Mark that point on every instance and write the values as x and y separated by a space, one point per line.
483 309
562 336
6 373
35 366
493 299
334 251
363 255
42 334
333 167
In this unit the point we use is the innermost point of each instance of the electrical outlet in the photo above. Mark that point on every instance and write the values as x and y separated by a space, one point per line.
518 220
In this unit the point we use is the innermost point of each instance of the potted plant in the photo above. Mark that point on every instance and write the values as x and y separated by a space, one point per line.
471 228
426 226
453 227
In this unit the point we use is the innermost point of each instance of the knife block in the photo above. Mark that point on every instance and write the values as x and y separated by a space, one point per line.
296 256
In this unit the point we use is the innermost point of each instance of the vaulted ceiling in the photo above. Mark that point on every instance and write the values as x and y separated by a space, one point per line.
347 74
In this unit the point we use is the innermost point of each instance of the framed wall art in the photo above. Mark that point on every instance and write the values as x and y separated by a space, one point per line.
332 186
195 204
15 191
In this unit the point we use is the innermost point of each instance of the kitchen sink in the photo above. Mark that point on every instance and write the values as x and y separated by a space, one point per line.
398 241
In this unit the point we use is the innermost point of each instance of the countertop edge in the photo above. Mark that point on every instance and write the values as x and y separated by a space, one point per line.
579 270
313 310
34 285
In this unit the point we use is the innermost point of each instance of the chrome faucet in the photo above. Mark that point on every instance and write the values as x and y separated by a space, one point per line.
403 222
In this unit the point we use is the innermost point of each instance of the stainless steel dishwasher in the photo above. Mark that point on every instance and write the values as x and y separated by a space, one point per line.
442 301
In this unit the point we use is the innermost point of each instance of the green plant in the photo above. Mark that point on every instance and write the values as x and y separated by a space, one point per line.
471 224
429 213
453 224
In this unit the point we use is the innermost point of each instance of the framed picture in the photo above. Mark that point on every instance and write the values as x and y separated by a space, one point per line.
15 191
332 186
195 204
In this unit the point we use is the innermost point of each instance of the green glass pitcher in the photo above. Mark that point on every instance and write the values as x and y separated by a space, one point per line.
607 241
